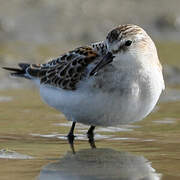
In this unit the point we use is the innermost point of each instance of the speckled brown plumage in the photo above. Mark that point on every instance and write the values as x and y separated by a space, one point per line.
122 31
67 70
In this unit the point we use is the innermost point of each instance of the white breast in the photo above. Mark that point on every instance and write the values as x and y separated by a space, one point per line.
126 101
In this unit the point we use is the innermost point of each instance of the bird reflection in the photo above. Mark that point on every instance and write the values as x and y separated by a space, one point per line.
99 164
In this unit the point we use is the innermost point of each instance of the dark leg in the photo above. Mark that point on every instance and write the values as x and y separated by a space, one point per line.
90 135
71 137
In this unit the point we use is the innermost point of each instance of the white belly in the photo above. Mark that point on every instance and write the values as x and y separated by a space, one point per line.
95 107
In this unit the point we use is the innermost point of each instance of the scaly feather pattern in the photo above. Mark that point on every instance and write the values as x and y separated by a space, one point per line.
67 70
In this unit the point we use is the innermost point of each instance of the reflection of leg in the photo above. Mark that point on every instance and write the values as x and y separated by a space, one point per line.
90 135
71 137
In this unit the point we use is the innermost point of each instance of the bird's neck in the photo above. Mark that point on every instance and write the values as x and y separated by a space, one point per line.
137 62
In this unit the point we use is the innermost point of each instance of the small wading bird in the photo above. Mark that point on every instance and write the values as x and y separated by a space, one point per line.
116 81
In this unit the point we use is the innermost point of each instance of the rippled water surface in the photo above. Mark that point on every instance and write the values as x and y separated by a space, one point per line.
33 143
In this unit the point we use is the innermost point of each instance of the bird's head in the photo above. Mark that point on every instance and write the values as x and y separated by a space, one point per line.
130 43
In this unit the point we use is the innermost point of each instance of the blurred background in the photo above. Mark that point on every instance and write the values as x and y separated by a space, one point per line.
38 30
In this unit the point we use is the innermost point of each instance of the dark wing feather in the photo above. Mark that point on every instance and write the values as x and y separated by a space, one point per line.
67 70
100 48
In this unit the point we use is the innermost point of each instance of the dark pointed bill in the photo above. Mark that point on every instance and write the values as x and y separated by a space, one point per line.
108 58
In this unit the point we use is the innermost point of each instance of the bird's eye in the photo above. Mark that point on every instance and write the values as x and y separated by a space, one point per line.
128 43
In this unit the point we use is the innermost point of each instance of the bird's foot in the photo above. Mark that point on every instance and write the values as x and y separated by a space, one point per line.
71 138
90 135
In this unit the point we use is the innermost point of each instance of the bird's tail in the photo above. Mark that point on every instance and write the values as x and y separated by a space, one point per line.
19 72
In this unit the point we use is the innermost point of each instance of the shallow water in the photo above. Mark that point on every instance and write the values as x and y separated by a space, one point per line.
33 143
